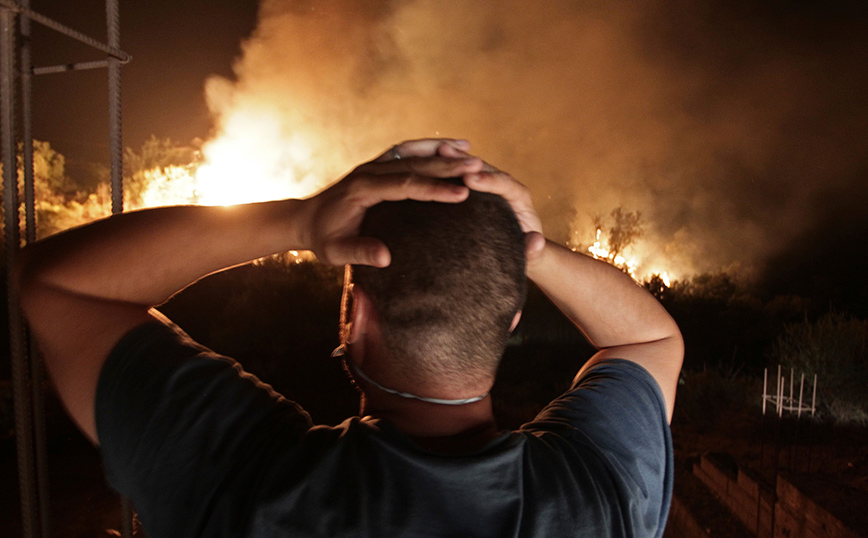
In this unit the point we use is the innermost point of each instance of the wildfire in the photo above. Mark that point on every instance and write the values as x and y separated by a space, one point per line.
253 161
171 185
664 276
234 171
257 156
599 252
632 264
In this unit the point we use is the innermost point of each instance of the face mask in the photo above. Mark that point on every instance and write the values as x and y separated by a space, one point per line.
340 351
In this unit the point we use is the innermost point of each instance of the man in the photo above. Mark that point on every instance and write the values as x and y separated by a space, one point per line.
204 449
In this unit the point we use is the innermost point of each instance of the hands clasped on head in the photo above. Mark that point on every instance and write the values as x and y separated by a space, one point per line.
410 170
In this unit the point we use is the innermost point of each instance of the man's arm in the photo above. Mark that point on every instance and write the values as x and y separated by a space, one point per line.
84 289
618 317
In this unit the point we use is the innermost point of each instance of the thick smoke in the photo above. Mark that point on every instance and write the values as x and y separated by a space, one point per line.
722 122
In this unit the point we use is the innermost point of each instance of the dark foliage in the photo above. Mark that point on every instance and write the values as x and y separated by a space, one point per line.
724 325
834 348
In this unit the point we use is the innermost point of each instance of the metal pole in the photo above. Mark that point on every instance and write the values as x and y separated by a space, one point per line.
63 68
65 30
783 395
779 394
765 384
12 234
36 367
115 132
117 169
801 393
27 129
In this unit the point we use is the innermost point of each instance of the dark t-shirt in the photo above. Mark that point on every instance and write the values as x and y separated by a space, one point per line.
204 449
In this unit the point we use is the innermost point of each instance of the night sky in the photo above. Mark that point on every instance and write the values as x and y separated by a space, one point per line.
739 128
175 47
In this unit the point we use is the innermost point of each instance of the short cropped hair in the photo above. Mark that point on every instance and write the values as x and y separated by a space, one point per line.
457 278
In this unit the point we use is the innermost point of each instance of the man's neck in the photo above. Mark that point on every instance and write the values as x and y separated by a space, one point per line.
445 429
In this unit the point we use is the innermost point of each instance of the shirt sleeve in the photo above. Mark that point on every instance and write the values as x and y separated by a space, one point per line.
179 424
614 419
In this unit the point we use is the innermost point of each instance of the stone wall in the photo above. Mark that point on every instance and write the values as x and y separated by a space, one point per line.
791 515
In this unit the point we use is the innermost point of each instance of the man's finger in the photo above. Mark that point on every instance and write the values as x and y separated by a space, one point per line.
450 150
515 193
432 166
425 147
358 251
534 243
497 182
395 187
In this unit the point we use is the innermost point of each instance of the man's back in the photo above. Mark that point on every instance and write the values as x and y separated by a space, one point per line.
219 454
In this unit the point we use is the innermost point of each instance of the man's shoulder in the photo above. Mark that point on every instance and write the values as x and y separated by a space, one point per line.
613 409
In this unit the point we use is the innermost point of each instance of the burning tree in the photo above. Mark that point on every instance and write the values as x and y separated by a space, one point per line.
626 228
613 236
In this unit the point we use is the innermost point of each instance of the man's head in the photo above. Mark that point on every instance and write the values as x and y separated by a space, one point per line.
446 303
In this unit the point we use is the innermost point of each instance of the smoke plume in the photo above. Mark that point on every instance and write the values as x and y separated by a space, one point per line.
731 125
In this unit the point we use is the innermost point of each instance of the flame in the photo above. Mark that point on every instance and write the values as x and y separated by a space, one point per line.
255 160
252 161
238 171
600 252
171 185
632 265
664 276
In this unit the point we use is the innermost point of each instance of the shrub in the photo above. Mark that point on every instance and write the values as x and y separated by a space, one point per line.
835 348
709 396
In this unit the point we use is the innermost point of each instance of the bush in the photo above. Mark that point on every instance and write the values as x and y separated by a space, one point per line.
723 324
709 396
835 348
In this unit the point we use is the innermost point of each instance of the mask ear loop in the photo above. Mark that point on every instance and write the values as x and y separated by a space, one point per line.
341 350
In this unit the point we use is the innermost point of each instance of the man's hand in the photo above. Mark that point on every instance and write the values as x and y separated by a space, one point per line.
495 181
498 182
409 170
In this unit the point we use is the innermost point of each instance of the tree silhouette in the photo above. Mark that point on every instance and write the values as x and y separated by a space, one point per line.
614 234
626 228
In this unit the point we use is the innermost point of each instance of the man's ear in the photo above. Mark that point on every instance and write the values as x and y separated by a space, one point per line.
515 320
361 316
